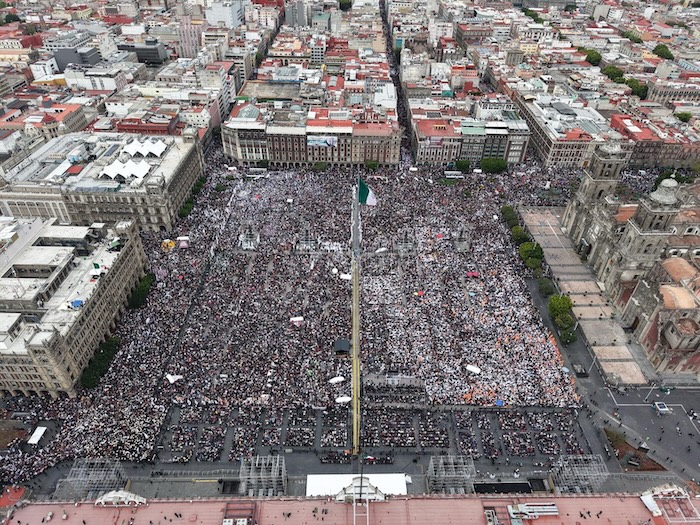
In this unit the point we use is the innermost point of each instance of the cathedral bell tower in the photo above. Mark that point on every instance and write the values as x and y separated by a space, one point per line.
599 181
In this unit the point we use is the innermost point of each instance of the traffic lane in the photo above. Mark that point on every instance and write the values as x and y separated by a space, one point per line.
673 436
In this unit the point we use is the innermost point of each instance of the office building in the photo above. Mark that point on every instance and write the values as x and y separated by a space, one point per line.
81 178
62 290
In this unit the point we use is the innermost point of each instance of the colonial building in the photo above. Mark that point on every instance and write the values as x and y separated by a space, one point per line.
445 140
296 136
62 290
643 255
663 312
82 178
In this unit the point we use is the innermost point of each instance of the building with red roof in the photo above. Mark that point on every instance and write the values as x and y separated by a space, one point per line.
654 509
51 120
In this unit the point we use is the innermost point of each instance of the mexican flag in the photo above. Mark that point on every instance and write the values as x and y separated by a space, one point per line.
367 196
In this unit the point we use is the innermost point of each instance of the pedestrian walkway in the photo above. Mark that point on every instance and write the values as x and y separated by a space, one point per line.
620 360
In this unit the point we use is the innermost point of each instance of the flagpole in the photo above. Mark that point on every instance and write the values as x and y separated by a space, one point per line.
356 319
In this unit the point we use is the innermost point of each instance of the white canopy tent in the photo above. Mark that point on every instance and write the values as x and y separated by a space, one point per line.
36 435
120 498
332 484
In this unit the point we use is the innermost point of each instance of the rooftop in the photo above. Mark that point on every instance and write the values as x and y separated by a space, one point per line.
676 297
33 277
564 119
108 161
679 269
399 511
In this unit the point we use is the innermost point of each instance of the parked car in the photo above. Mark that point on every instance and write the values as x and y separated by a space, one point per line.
579 370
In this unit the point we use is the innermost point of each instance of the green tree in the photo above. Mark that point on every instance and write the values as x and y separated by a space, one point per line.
493 165
593 57
186 208
534 263
198 185
570 8
631 36
508 212
695 167
662 50
263 163
462 165
371 164
545 286
637 87
397 54
528 250
11 17
258 58
532 14
564 321
138 297
29 29
681 179
567 336
99 364
345 5
613 73
519 235
558 305
684 116
320 166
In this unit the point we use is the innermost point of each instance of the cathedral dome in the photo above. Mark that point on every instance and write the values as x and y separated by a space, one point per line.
666 192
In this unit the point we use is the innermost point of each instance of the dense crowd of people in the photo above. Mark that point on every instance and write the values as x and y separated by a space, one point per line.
244 330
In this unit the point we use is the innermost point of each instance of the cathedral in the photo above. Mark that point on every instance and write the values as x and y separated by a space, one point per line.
644 256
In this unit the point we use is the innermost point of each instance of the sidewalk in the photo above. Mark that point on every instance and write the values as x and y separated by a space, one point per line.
615 354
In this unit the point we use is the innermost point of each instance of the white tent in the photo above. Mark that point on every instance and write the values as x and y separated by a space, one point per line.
650 503
120 498
36 435
473 369
145 148
332 484
172 378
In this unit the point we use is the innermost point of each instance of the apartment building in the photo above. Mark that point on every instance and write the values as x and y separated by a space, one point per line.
665 92
50 120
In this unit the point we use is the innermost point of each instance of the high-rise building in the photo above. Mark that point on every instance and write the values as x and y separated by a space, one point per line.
296 13
189 37
228 13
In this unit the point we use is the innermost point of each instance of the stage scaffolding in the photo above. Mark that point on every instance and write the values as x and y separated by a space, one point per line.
579 474
263 476
451 475
90 478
